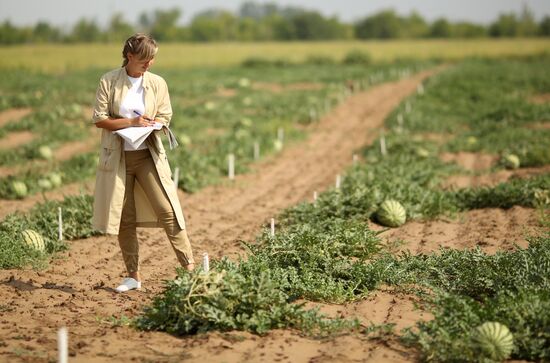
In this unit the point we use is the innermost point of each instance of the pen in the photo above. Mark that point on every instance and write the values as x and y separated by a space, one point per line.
137 113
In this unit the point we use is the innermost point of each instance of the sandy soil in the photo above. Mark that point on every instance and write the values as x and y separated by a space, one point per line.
490 229
540 98
469 160
540 125
13 139
70 149
13 115
76 290
16 138
492 178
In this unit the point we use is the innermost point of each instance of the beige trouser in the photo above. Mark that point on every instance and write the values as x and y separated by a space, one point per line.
140 166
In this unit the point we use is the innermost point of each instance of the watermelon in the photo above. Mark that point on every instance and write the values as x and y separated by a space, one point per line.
510 161
245 122
55 179
184 139
247 101
19 188
494 340
45 152
75 110
242 134
278 145
471 140
34 240
244 82
391 213
421 152
44 183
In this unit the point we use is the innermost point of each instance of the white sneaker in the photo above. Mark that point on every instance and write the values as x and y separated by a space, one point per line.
128 284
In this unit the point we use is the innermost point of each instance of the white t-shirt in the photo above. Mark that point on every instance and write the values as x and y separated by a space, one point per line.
133 101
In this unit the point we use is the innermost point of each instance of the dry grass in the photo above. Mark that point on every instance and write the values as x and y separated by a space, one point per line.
58 58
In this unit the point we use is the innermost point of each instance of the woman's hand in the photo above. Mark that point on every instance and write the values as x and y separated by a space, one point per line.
142 121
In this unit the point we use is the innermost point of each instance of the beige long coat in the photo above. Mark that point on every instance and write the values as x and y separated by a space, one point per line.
111 170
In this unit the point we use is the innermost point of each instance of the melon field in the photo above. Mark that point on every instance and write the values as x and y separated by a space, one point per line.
410 198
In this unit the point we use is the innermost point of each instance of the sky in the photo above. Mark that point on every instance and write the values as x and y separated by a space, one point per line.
65 13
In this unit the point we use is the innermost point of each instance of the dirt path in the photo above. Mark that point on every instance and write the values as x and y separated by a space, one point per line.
13 115
76 290
15 139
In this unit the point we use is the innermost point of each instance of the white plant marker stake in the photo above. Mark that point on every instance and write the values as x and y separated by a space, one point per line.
272 227
205 262
281 134
256 150
400 119
63 345
176 176
383 149
338 180
420 89
355 159
408 107
312 114
231 166
327 105
315 197
59 224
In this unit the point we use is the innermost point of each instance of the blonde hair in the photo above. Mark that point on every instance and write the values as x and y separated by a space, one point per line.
142 45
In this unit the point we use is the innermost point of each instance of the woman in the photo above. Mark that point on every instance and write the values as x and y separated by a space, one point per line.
134 186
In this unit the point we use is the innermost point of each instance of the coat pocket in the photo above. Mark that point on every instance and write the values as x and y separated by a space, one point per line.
107 159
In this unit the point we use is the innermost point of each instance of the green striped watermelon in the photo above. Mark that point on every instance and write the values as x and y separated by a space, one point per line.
494 340
391 213
34 240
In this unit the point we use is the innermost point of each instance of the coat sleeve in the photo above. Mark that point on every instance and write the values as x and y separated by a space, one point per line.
101 104
164 109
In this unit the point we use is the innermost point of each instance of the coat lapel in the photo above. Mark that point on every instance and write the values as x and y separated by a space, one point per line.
122 85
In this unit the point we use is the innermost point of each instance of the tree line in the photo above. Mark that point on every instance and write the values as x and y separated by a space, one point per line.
268 21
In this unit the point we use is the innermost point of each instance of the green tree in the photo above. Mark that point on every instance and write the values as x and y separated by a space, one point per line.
505 26
250 9
280 28
86 31
415 26
544 26
162 25
214 25
527 26
9 34
249 29
383 25
468 30
440 28
43 32
313 26
119 30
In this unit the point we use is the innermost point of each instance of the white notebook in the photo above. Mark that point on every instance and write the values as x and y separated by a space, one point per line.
137 135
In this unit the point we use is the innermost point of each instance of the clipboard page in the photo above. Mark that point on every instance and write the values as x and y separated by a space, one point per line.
137 135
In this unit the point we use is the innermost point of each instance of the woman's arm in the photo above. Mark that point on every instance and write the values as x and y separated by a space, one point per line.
101 116
113 124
